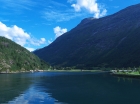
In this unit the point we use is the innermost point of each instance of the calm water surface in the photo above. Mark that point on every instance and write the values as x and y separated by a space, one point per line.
68 88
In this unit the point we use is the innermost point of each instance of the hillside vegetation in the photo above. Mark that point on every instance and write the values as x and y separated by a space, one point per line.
13 57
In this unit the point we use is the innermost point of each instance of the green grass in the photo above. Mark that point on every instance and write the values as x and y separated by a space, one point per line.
128 73
135 73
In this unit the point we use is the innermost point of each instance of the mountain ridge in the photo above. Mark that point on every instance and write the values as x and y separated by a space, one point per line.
98 42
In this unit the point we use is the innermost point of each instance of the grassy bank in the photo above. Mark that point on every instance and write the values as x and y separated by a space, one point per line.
126 73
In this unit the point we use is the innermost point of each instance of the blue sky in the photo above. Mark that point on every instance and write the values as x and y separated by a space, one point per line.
36 23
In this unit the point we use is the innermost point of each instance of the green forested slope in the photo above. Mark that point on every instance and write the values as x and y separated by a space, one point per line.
13 57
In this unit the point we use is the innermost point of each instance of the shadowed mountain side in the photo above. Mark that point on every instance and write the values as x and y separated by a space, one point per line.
111 41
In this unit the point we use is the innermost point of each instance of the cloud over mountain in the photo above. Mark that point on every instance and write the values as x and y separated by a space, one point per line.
59 31
91 6
18 35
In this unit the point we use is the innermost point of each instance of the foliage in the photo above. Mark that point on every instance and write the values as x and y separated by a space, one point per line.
13 57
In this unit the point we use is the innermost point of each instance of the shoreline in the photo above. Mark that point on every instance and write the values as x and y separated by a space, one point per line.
32 71
126 74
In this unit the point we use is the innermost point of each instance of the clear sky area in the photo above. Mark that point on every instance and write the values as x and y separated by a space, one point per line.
35 24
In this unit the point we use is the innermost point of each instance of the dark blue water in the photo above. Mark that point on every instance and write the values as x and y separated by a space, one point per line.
68 88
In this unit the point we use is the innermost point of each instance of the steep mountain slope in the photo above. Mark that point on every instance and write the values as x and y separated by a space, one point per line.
13 57
112 41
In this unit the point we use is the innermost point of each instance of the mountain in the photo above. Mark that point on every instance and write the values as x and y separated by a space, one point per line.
13 57
111 41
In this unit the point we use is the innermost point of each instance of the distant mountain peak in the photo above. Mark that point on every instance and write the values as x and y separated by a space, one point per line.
87 20
111 41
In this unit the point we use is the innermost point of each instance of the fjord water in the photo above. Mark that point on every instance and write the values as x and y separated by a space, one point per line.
68 88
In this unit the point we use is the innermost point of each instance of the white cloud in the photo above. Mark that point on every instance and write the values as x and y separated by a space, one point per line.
91 6
100 14
59 12
43 40
49 41
37 42
53 11
59 31
76 7
18 35
14 33
30 49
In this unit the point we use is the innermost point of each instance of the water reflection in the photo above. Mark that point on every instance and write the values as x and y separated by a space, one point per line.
125 79
32 96
68 88
92 89
12 85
